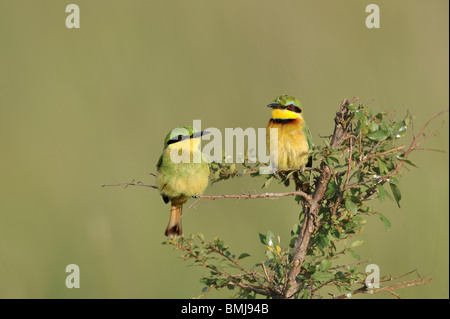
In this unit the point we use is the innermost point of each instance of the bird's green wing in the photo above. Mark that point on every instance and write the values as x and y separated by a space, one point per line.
158 165
308 136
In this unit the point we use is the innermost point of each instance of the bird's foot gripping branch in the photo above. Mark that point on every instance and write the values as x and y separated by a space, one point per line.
359 163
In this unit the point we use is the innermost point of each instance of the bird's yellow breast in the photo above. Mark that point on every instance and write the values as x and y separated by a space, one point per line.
292 143
179 181
182 185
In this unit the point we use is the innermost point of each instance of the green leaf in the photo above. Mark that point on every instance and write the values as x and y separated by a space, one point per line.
349 225
407 161
382 166
396 192
356 200
354 255
359 115
322 242
322 276
374 126
378 136
357 243
243 255
269 240
335 233
262 238
324 265
382 194
351 207
204 281
296 229
292 241
385 220
220 282
269 254
331 189
399 129
331 159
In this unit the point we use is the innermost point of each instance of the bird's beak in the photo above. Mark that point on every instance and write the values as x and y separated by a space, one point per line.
199 134
273 105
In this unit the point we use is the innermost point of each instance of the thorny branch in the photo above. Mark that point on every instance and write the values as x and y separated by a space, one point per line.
222 196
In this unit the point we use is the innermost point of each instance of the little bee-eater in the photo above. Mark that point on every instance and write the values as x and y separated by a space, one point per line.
183 177
294 138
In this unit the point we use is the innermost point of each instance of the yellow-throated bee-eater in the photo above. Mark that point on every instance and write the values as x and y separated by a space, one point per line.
294 137
178 180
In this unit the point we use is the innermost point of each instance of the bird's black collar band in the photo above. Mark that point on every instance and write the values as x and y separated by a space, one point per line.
282 121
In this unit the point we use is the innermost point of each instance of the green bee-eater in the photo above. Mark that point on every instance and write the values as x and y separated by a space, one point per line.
182 178
294 138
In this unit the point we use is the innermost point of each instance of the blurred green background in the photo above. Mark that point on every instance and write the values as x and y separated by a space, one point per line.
81 108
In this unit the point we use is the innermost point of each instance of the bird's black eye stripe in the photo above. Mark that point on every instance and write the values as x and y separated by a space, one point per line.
171 142
176 139
293 108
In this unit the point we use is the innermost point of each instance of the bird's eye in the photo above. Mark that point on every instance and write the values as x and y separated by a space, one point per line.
179 137
290 107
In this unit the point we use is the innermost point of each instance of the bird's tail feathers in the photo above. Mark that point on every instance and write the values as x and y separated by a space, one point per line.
174 227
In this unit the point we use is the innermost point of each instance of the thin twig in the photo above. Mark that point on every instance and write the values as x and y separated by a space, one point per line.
415 140
374 179
430 149
390 288
349 168
131 184
265 272
350 265
214 197
255 196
